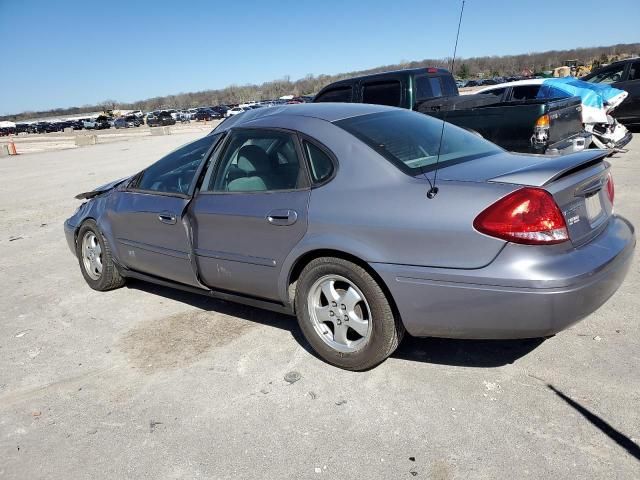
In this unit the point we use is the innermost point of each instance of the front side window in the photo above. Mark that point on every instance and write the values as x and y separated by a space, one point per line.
608 75
382 93
338 94
411 141
175 172
634 71
256 161
496 92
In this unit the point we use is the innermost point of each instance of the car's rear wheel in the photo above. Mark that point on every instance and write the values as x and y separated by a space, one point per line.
96 261
345 315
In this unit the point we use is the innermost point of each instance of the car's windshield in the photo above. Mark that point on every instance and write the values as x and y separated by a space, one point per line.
607 75
411 141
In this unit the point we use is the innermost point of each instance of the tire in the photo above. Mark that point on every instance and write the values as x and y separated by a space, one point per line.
108 277
379 330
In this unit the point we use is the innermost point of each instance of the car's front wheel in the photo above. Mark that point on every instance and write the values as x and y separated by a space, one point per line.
96 261
345 315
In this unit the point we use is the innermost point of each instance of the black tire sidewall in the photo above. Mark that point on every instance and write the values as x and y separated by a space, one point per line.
104 280
383 327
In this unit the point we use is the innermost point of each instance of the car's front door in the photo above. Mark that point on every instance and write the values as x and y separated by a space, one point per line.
250 212
629 109
147 219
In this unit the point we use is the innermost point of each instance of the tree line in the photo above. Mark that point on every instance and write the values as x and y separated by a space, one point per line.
311 84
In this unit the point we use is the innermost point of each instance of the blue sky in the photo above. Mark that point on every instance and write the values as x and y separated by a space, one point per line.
67 53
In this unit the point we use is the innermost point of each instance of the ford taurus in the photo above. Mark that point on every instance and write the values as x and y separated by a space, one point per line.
365 221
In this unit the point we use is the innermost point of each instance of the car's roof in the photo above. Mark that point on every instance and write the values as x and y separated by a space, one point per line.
532 81
623 61
330 112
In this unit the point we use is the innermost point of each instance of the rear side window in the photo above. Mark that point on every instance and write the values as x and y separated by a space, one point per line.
337 94
525 92
548 91
320 163
382 93
256 161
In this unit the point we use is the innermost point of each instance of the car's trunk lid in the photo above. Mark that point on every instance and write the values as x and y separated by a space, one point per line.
578 183
581 193
565 118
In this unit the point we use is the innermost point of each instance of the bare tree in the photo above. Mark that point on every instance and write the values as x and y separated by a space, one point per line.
310 84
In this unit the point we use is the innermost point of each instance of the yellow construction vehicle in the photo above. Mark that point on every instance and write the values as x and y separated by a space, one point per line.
578 69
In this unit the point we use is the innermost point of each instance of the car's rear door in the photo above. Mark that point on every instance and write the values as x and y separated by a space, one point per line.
250 212
147 218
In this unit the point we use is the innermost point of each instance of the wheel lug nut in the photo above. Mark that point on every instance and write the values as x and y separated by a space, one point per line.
343 307
331 314
334 304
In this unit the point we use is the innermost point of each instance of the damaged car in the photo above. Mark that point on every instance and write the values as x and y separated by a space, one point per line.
365 221
598 104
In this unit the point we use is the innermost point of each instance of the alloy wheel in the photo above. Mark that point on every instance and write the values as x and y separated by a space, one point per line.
92 255
340 313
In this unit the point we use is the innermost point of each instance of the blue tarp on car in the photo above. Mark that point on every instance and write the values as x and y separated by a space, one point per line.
597 99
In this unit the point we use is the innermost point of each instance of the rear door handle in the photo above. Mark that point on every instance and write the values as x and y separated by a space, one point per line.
168 218
282 217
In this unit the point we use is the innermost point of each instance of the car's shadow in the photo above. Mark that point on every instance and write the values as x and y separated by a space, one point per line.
468 353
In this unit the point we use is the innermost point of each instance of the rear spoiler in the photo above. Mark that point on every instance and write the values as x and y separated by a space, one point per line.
550 169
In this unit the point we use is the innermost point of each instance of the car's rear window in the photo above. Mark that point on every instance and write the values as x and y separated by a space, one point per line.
411 140
432 86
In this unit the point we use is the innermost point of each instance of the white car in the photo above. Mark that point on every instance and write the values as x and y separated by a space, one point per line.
605 130
235 111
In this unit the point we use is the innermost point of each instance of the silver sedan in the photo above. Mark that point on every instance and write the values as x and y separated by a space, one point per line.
365 221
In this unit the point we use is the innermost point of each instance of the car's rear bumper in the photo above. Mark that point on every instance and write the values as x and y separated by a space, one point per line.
526 292
624 140
576 143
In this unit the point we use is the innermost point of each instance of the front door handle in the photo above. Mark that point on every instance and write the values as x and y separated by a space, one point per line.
282 217
168 218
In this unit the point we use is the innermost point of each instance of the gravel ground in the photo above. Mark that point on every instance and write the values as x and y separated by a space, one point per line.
147 382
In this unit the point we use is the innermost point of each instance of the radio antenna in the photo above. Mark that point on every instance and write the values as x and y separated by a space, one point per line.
433 191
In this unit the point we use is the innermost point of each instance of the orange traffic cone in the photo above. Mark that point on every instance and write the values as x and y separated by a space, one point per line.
12 149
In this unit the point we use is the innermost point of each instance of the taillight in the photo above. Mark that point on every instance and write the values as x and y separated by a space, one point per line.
611 191
541 130
543 121
529 215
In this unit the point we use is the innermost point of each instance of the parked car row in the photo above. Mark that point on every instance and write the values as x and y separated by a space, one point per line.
153 118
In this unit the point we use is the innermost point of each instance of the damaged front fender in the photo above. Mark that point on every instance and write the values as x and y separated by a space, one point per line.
101 189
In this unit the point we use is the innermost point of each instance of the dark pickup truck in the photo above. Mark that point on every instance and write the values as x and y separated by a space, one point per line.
544 126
